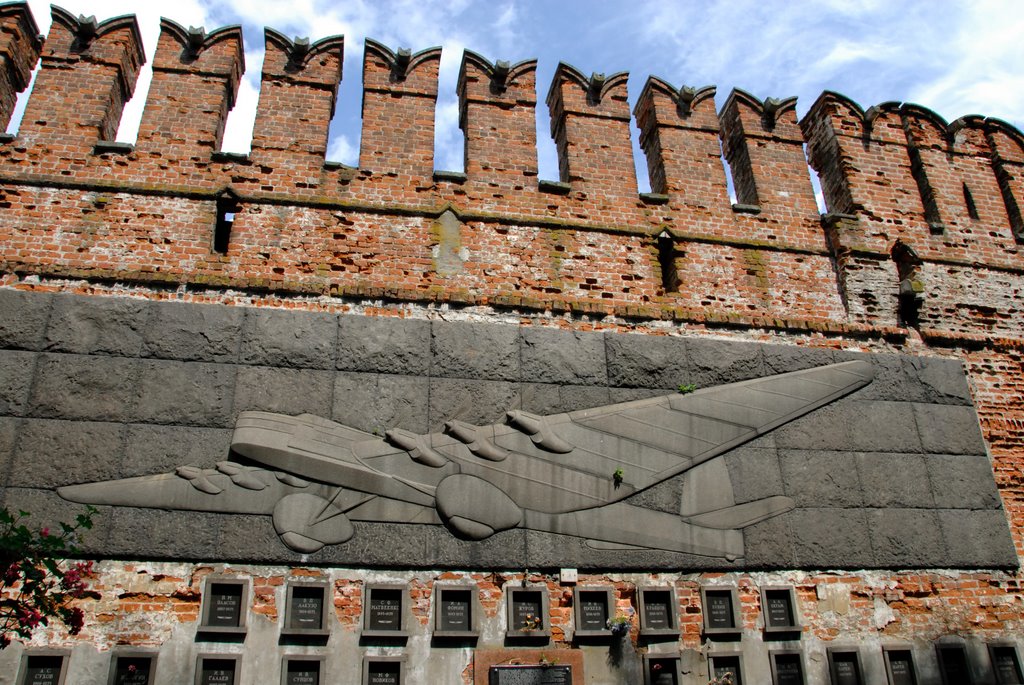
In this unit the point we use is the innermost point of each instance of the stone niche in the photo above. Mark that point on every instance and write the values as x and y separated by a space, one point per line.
890 474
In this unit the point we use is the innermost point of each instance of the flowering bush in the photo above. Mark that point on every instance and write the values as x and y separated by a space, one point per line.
36 584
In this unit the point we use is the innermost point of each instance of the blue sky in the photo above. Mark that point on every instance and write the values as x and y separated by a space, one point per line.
956 57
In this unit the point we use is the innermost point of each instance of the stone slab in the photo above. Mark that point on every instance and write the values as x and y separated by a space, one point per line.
155 533
854 425
85 387
23 317
821 537
892 527
289 338
185 393
544 398
16 370
52 453
190 332
962 481
97 325
949 429
563 357
476 402
47 509
471 350
288 391
640 361
977 539
375 403
160 449
715 362
891 479
384 345
754 473
821 478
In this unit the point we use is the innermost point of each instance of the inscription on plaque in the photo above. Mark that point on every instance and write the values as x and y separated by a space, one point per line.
593 610
306 611
133 671
43 670
530 675
719 610
385 673
526 611
302 673
217 672
845 669
225 605
779 612
901 668
658 610
386 611
1004 659
456 612
723 666
788 670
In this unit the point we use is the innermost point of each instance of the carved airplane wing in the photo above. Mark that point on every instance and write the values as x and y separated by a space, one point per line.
562 473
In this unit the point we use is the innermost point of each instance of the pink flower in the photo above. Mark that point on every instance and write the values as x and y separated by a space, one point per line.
44 532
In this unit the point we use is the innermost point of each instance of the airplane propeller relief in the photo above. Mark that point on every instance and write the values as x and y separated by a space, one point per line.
568 474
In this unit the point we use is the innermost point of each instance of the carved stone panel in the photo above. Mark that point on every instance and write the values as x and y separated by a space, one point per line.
530 675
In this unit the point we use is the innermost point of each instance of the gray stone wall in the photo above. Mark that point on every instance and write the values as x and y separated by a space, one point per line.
97 388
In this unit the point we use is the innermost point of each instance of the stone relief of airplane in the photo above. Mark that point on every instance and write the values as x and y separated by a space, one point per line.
569 474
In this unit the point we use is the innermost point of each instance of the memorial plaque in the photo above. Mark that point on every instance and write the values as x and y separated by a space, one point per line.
225 608
901 667
663 672
526 610
845 670
384 673
385 610
133 670
530 675
593 611
306 611
719 610
43 670
779 609
788 669
302 672
217 672
658 610
723 665
1004 660
456 610
953 664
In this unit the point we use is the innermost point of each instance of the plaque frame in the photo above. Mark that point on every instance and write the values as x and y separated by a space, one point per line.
474 610
63 654
731 654
368 661
943 647
209 583
514 632
993 648
773 656
833 652
323 586
734 605
676 666
213 656
794 609
289 658
646 630
119 653
608 594
403 592
888 651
